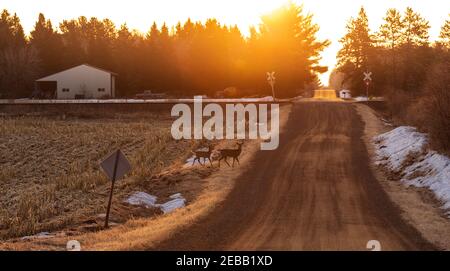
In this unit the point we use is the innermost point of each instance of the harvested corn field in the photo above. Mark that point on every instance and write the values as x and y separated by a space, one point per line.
50 177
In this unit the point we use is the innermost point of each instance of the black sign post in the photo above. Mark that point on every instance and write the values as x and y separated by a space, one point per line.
115 166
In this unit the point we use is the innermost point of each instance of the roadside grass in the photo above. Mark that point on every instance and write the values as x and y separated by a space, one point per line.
49 168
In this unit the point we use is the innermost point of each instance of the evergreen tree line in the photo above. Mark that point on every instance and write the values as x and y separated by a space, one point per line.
409 70
399 53
183 60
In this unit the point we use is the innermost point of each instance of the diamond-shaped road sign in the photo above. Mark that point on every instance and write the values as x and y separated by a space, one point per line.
116 159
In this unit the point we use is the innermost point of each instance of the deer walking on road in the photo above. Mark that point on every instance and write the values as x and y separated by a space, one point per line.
232 153
202 153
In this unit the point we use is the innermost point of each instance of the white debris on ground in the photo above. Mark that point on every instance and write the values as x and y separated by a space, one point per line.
428 169
149 201
41 235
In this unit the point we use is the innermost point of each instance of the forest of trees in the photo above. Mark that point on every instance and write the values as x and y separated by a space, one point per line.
412 73
186 59
399 54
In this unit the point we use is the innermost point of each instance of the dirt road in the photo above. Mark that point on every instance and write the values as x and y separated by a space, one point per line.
315 192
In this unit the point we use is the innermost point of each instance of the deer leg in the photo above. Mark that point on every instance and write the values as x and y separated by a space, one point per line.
210 162
233 160
193 161
226 161
237 159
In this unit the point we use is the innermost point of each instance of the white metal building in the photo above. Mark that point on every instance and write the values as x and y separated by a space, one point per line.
80 82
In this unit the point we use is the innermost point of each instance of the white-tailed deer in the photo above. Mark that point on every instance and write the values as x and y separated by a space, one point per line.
233 153
205 154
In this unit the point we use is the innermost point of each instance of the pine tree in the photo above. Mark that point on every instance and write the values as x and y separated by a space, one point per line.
390 35
416 29
357 43
18 62
357 48
288 45
11 31
444 36
125 50
153 33
75 42
48 45
414 54
391 32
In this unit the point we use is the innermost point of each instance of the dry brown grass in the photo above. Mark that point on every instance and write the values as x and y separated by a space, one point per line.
49 173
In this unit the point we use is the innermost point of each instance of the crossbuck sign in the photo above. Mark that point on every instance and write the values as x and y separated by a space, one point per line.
367 80
367 77
271 79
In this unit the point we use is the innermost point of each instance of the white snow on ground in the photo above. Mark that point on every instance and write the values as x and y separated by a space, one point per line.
429 170
177 202
361 98
142 198
147 200
364 99
41 235
398 143
138 101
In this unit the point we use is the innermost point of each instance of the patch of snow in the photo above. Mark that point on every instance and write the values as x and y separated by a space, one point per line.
397 144
364 99
143 199
361 98
173 205
176 196
147 200
41 235
430 170
436 170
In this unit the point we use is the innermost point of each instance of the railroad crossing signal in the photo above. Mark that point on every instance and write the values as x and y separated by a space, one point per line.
115 166
271 79
367 80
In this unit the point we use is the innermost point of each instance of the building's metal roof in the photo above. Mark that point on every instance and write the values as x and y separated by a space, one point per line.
84 64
